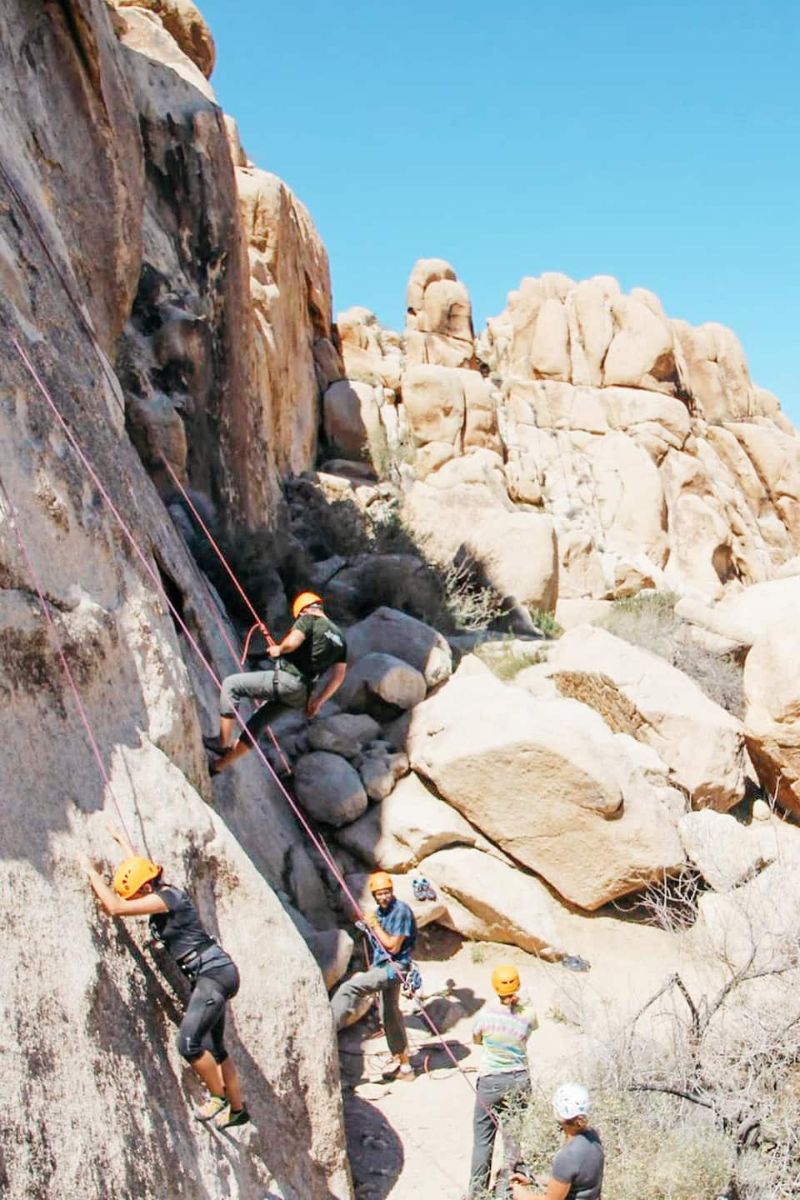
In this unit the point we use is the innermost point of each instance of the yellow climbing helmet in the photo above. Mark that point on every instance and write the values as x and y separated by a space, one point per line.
505 979
132 874
380 881
304 600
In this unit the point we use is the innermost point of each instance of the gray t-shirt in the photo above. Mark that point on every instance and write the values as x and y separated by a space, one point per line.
580 1164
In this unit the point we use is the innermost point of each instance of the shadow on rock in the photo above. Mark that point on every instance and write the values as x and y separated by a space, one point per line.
373 1148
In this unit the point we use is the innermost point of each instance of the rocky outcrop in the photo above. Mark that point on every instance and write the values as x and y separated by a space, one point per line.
642 438
640 694
438 316
772 714
551 785
487 900
408 826
106 151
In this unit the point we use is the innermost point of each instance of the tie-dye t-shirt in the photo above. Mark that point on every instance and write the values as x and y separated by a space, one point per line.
504 1034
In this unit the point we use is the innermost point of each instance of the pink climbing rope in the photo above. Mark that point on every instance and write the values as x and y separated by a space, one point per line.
316 841
259 624
15 522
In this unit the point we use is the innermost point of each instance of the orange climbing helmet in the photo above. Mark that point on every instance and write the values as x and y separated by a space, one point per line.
304 600
505 979
380 881
132 874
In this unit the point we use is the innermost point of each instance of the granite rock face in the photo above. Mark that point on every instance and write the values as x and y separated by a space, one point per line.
103 142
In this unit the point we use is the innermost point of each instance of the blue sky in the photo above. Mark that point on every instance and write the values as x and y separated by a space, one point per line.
656 143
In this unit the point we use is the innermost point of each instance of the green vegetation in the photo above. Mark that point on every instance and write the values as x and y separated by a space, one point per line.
545 622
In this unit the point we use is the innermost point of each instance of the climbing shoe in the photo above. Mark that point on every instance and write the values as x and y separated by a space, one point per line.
214 745
422 889
574 962
231 1117
212 1108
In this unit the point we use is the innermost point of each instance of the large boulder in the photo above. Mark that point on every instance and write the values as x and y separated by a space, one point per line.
392 632
410 824
772 713
184 21
378 680
343 733
329 788
549 783
448 410
638 693
463 512
742 616
495 902
438 316
724 851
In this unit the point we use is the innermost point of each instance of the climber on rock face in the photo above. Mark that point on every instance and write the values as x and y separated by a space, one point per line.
502 1030
288 672
393 935
577 1170
139 891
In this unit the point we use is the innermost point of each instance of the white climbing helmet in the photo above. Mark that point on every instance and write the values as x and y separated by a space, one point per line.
571 1100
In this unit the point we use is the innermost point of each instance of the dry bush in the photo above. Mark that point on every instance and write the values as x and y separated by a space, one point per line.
649 620
657 1148
506 659
470 604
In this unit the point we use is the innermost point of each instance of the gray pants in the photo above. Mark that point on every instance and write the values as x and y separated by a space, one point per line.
375 981
495 1093
277 689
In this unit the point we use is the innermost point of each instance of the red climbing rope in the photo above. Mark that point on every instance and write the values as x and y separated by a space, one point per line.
316 841
15 522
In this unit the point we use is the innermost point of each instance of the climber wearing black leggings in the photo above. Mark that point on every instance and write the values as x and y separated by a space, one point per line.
138 891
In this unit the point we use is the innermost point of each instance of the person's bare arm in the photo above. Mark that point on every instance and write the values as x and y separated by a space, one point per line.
390 941
293 641
115 906
333 682
521 1189
121 838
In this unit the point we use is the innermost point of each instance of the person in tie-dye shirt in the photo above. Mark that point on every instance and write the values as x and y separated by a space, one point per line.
502 1030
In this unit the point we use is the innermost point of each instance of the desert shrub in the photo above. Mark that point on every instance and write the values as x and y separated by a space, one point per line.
545 622
470 603
505 659
649 620
657 1147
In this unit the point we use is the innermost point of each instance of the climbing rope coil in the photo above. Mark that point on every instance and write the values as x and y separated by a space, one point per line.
316 839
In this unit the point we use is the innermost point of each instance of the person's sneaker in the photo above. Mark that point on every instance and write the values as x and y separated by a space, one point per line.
232 1117
214 745
212 1108
406 1071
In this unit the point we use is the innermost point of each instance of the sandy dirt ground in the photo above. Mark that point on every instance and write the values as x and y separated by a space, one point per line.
412 1140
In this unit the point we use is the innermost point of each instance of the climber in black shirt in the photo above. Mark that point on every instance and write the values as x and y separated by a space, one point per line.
288 672
139 891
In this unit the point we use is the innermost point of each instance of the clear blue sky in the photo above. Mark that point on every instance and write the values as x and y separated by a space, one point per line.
656 143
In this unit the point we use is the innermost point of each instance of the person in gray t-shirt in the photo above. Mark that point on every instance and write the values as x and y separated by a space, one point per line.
577 1171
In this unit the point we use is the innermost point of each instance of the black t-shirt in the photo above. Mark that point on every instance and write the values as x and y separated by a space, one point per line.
323 646
179 929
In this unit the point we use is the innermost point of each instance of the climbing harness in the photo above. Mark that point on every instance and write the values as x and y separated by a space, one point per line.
180 622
